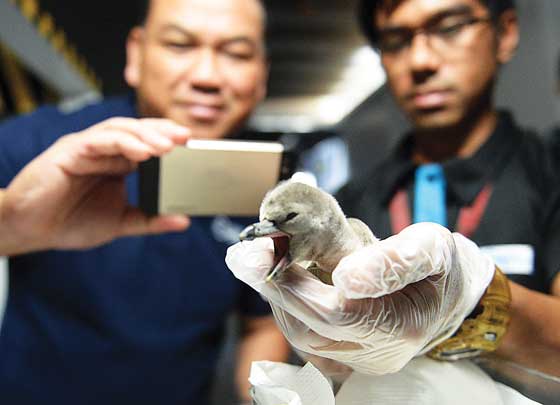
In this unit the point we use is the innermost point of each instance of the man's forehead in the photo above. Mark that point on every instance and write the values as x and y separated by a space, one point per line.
411 12
236 16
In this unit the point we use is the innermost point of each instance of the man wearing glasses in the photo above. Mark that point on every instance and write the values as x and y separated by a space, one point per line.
465 166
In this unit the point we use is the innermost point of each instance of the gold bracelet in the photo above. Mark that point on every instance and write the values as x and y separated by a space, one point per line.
483 330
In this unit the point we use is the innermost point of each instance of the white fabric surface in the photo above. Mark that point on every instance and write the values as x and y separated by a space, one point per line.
422 382
279 383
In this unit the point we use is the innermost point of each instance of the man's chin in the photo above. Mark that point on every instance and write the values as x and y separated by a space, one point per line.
203 129
207 132
429 120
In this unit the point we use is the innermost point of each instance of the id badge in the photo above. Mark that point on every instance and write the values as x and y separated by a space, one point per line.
512 259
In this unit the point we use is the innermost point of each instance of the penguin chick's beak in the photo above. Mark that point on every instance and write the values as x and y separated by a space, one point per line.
281 241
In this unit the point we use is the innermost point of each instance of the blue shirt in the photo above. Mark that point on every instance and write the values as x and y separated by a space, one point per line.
136 321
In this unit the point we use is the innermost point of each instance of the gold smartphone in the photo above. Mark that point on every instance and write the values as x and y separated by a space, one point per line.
212 177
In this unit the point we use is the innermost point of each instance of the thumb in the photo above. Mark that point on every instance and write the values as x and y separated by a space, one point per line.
134 222
419 251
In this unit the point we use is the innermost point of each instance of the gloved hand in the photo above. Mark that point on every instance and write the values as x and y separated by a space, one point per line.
390 301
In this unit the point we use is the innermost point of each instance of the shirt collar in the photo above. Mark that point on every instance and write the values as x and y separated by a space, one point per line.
465 177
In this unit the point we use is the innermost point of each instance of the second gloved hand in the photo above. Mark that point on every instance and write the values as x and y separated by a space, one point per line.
390 301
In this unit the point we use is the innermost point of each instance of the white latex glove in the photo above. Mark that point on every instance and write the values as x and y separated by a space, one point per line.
390 301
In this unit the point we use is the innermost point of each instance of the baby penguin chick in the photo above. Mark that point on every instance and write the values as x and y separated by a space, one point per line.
308 228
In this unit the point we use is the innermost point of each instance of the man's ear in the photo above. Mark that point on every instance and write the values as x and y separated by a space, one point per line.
508 35
556 286
134 53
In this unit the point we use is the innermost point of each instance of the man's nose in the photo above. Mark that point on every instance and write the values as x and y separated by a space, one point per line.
424 60
205 71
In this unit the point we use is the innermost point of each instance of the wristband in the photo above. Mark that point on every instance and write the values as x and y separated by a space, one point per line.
484 328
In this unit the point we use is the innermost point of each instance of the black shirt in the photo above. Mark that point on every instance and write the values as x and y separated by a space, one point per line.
519 225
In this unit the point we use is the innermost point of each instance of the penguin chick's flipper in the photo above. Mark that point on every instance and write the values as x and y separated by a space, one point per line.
365 235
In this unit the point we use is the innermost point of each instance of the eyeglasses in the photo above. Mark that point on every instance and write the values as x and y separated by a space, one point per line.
442 35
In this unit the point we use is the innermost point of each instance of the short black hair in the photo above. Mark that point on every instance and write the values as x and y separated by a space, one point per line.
141 11
143 7
368 8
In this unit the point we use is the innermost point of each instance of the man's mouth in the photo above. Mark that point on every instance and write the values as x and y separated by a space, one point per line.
429 98
204 112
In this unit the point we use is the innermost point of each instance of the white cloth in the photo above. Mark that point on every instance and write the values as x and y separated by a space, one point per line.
279 383
422 382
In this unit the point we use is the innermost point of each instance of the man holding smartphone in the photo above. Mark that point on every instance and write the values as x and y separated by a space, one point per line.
139 320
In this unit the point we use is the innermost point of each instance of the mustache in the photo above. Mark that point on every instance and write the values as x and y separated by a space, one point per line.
202 102
426 88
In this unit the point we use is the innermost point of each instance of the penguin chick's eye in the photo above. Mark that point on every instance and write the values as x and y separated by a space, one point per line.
291 216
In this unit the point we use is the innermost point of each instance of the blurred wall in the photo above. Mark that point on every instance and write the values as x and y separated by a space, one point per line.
554 16
528 83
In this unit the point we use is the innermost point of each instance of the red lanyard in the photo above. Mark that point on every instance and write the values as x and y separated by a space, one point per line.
467 222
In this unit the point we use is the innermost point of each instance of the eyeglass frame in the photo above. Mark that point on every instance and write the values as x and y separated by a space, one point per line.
429 31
